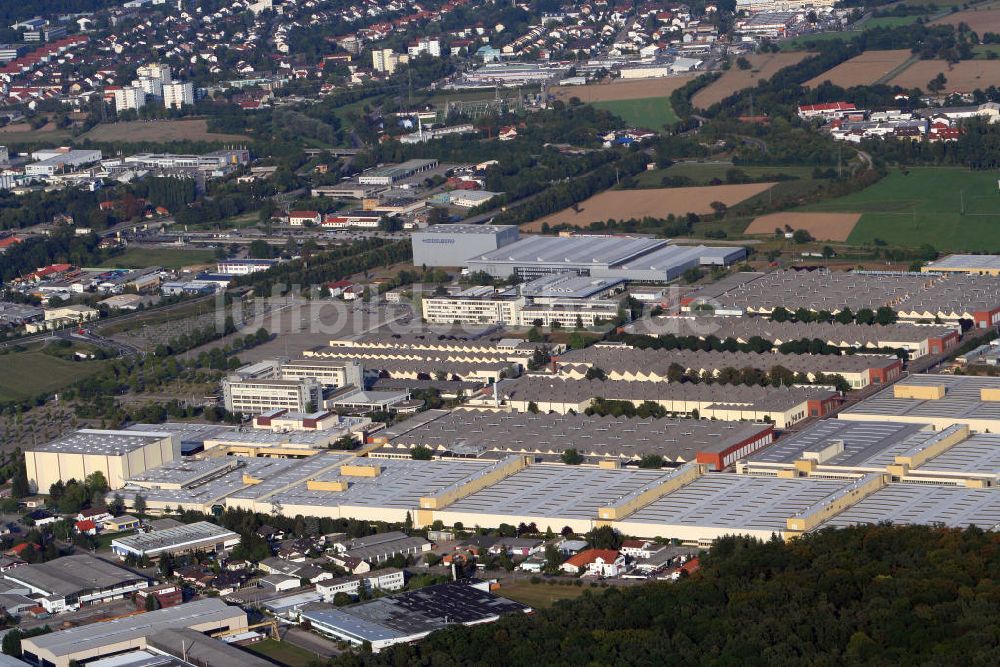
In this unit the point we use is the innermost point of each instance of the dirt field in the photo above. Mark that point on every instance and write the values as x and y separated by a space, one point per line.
159 130
964 76
862 70
657 203
980 20
764 65
622 90
823 226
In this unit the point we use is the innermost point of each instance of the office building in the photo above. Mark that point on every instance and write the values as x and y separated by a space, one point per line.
56 161
254 396
452 245
243 267
391 173
116 454
178 94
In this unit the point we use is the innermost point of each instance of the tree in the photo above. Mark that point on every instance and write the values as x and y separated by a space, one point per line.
19 484
595 373
571 457
802 236
152 604
885 315
743 63
12 643
421 453
139 505
780 314
604 537
651 461
937 84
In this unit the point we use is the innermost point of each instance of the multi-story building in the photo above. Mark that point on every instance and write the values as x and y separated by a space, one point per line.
129 97
452 245
254 396
151 86
178 94
386 60
155 71
243 267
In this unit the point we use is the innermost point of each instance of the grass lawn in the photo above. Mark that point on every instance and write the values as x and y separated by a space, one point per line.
542 595
283 653
702 173
168 258
926 206
651 112
31 373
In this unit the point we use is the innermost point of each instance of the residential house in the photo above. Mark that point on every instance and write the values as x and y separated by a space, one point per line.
595 562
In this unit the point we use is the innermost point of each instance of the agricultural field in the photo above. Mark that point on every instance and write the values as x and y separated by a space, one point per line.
168 258
822 226
619 89
863 70
652 202
763 66
986 19
950 208
21 133
964 76
30 373
651 112
159 131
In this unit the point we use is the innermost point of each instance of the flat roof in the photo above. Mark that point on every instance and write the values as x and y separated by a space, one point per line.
567 285
72 574
205 492
95 636
597 251
952 506
556 490
961 400
400 483
101 442
862 441
737 502
179 536
979 453
472 432
464 229
959 262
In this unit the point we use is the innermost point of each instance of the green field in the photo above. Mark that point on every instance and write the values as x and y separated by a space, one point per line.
28 374
168 258
649 112
703 173
283 653
951 208
541 595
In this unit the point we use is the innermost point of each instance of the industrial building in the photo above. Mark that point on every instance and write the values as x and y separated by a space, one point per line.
404 361
939 400
917 297
917 339
980 265
627 258
648 365
116 454
243 267
390 174
130 633
53 161
566 298
781 406
72 582
606 440
189 538
407 617
452 245
907 453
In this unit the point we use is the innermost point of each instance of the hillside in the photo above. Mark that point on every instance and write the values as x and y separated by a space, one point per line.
877 595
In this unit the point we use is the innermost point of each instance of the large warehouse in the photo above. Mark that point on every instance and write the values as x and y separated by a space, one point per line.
187 538
939 400
116 454
627 258
452 245
71 582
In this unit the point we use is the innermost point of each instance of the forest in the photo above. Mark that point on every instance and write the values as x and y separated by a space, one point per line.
879 595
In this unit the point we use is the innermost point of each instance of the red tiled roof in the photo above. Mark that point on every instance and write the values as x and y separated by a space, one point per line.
589 556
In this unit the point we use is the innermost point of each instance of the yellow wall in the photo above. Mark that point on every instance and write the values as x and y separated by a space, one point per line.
923 392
